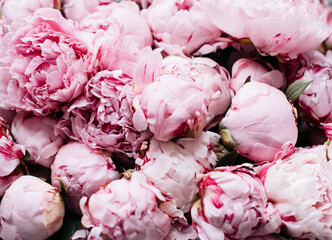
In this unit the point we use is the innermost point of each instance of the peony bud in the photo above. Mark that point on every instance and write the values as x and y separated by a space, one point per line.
30 209
83 171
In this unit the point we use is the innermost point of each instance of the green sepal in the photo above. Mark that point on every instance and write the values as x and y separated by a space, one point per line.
63 191
248 79
226 137
294 90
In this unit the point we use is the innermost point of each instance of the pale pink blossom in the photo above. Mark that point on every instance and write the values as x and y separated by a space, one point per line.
261 122
83 171
175 167
316 100
181 27
172 106
14 10
126 209
36 210
212 78
244 68
275 27
300 186
37 136
43 63
233 204
179 231
102 118
6 181
127 15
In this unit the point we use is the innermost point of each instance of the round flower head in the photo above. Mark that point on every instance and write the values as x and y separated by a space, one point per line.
176 167
42 64
212 78
172 106
233 204
30 209
36 134
275 27
181 27
300 186
82 170
261 121
127 15
126 209
316 100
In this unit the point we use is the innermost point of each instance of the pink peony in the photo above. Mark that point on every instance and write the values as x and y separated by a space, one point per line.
37 136
181 232
261 121
233 204
275 27
12 10
103 117
244 68
172 106
10 152
212 78
176 167
82 170
181 27
36 210
43 63
316 100
127 15
126 209
79 9
300 186
6 181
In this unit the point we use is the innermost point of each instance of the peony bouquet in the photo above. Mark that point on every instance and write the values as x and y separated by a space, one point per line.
165 120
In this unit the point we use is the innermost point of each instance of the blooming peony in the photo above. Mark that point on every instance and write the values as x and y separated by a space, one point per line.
233 204
43 63
126 209
212 78
172 106
244 68
316 100
30 209
82 170
275 27
260 121
181 27
36 134
103 117
300 186
176 167
179 231
12 10
127 15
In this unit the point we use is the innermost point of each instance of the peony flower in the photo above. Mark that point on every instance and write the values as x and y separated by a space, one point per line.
103 117
10 152
79 9
244 68
37 136
82 170
179 231
36 210
176 167
43 64
275 27
260 121
233 204
127 15
12 10
80 234
316 100
172 106
126 209
6 181
300 186
212 78
181 27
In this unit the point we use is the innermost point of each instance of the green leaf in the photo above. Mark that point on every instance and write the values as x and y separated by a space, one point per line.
294 90
228 159
64 190
27 155
71 223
